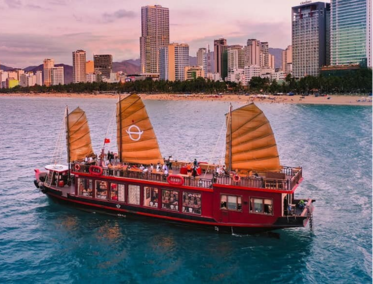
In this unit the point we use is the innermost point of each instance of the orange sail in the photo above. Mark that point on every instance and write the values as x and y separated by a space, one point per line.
251 144
78 135
136 139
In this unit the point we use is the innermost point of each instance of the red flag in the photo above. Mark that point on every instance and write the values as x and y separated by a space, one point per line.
107 140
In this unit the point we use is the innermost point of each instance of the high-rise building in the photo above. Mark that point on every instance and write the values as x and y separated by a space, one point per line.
351 32
48 64
202 59
210 61
39 78
155 33
79 66
220 45
89 67
309 38
236 57
173 59
103 64
57 76
252 52
287 57
264 55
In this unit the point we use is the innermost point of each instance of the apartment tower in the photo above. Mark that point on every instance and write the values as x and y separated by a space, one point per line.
310 35
220 45
252 52
48 64
173 59
202 59
79 66
155 33
57 76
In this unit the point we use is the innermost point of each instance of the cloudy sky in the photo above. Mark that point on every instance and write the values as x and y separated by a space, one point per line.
32 30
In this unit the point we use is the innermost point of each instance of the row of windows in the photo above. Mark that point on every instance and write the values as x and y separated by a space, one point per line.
169 199
257 205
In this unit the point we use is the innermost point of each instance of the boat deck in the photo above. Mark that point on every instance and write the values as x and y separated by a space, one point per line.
285 179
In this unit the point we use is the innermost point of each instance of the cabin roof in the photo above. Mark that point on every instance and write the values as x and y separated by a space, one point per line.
56 168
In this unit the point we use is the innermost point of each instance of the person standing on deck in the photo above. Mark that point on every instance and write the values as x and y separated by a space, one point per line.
195 163
170 160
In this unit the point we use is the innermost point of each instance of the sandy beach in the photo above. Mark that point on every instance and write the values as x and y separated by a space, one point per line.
326 100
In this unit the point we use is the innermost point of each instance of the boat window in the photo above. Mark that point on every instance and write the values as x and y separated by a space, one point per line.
231 202
192 202
151 196
101 189
114 191
223 202
121 193
261 206
134 194
170 199
85 187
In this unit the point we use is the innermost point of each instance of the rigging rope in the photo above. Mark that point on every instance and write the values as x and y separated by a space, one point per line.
57 153
109 131
214 149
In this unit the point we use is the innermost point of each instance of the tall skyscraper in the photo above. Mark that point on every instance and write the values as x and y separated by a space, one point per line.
57 75
220 46
79 66
309 38
103 64
48 64
155 33
252 52
351 32
173 59
264 55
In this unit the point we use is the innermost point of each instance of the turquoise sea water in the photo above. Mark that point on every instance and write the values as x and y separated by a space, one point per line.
41 241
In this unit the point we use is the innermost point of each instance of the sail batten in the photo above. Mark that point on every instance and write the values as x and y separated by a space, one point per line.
251 141
135 134
78 138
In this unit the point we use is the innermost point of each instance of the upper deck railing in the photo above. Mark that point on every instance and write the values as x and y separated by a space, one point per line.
284 180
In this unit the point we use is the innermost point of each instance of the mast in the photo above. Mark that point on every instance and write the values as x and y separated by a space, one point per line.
120 129
230 139
68 140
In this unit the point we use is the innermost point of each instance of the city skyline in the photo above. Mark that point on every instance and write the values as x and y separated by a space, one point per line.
59 27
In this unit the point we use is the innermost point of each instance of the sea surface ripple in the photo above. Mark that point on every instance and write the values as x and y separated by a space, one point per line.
41 241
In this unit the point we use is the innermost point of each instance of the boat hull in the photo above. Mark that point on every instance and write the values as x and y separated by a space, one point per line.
184 220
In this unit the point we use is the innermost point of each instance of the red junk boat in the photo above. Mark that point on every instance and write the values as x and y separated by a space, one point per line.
255 193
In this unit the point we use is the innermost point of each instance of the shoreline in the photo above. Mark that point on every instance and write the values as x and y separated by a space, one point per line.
297 99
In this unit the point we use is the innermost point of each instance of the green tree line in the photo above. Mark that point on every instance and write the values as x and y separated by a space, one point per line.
359 81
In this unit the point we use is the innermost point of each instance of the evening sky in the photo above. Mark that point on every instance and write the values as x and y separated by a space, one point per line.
36 29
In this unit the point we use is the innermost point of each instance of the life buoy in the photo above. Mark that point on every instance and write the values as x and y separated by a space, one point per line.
95 170
77 167
175 180
236 178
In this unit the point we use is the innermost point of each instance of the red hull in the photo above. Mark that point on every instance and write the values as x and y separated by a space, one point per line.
211 214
